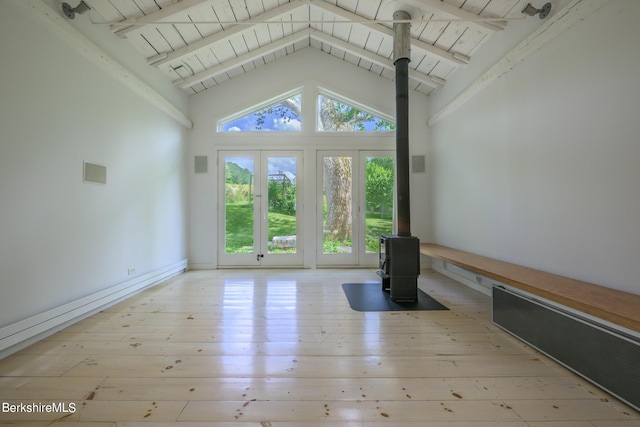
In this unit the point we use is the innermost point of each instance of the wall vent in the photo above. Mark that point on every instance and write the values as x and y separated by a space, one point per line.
201 164
94 173
417 164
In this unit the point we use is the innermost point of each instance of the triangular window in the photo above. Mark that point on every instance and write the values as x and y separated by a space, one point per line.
338 115
282 115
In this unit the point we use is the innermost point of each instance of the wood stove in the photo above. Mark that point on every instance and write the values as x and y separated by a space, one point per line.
399 255
399 263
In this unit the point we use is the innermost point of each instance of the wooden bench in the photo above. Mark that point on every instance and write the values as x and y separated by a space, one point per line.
548 312
618 307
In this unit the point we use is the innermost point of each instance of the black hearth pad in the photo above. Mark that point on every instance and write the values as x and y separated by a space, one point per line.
370 297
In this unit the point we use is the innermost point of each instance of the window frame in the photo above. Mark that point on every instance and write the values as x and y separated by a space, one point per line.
259 106
352 103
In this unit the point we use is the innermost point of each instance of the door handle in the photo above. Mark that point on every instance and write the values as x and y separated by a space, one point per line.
259 256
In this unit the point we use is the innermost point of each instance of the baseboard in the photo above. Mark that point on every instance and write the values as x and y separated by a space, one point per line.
203 266
479 283
21 334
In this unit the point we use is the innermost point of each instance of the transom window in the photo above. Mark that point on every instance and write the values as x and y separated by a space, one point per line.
284 114
335 114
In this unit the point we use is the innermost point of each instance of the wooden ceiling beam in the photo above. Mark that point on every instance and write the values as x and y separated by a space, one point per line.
383 62
122 28
457 13
388 32
273 14
243 59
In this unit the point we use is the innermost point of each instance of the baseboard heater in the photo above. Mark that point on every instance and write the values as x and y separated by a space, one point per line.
19 335
603 355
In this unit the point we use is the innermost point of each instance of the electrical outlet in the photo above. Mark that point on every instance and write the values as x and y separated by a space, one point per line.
131 271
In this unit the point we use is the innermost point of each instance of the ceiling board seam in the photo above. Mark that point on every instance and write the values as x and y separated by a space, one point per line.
165 58
459 13
124 27
249 56
388 32
376 59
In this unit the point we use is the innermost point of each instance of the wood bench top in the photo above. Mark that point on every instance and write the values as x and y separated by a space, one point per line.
618 307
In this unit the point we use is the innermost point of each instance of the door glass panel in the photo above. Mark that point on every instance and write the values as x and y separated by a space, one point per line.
281 205
239 199
337 221
379 185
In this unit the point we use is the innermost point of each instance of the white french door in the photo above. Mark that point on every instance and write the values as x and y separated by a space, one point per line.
260 208
355 205
377 210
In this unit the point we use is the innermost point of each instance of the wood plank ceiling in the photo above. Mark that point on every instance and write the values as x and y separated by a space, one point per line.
201 43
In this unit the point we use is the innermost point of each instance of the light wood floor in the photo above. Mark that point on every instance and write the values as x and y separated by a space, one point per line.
283 348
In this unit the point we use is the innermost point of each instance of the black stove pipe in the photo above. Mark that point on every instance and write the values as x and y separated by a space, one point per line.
400 254
402 48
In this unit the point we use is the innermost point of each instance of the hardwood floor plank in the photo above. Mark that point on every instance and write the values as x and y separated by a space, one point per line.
333 345
283 348
61 424
335 424
566 410
120 410
42 365
277 411
310 366
416 389
43 388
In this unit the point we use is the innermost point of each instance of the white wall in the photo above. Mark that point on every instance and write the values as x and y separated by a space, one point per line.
541 168
62 239
309 68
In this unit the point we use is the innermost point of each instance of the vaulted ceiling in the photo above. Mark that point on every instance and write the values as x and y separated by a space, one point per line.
201 43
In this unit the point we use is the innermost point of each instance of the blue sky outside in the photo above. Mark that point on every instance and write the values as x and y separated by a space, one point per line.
283 119
286 165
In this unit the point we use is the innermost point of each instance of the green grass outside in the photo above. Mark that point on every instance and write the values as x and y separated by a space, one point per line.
239 229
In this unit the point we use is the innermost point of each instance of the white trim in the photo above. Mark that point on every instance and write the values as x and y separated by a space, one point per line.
321 91
458 13
444 268
203 266
346 259
66 32
381 61
22 333
462 280
254 108
246 57
558 23
122 28
222 36
384 31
